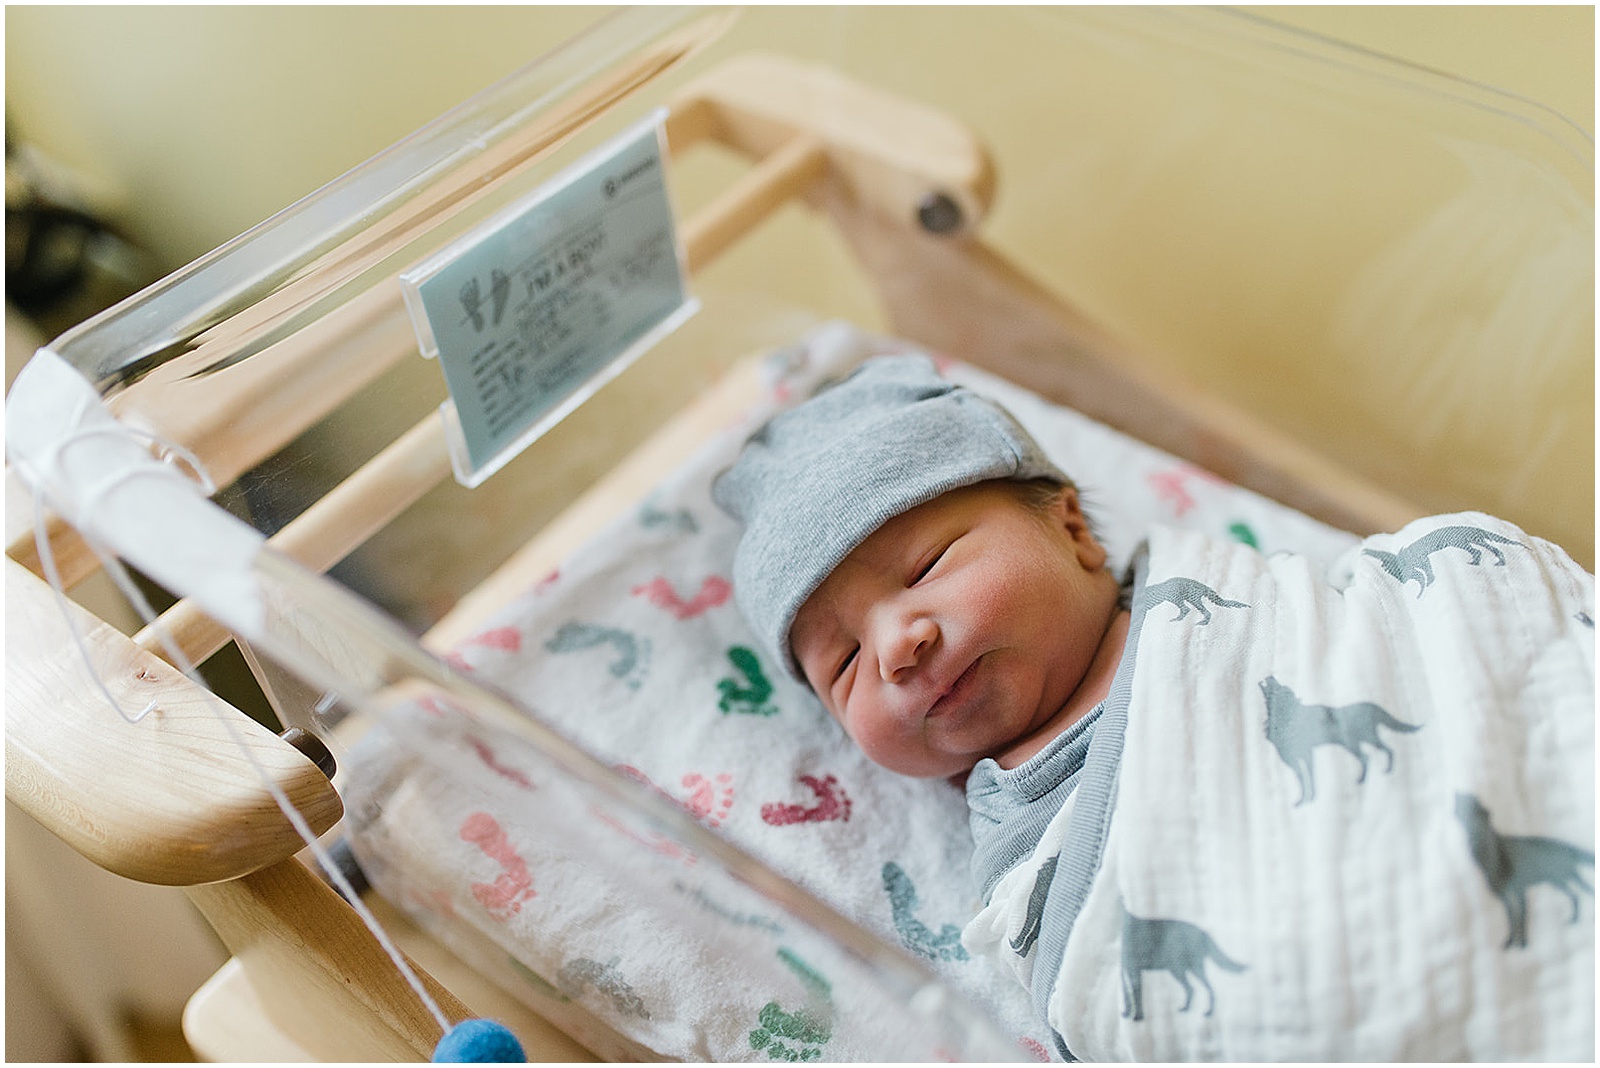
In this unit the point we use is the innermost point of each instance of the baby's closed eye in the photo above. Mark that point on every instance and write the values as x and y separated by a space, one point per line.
928 564
844 665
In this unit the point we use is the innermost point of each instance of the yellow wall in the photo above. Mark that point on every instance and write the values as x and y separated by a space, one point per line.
198 122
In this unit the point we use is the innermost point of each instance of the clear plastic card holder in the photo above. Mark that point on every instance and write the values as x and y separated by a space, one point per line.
556 295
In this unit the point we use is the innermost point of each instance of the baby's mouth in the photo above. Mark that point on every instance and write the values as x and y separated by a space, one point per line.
956 692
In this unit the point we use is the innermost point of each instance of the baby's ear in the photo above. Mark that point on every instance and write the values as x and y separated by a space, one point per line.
1068 509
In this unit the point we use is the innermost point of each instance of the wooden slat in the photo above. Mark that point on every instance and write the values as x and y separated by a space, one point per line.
170 799
317 971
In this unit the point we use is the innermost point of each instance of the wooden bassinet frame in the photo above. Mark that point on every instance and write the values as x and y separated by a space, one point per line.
172 801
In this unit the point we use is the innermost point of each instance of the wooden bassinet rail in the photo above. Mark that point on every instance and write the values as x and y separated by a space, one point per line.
875 165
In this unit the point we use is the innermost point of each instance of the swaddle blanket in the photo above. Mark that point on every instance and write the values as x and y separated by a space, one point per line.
1328 814
634 649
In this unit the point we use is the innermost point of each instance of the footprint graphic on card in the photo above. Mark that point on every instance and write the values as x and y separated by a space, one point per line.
713 593
632 654
708 800
503 897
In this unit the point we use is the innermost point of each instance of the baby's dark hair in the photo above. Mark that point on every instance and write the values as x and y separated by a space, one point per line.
1039 494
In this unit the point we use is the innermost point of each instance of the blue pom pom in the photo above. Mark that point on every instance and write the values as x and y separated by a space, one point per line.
479 1042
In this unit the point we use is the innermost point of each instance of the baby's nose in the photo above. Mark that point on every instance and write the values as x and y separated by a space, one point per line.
904 646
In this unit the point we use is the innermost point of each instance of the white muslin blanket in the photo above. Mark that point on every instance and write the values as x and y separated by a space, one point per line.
1328 813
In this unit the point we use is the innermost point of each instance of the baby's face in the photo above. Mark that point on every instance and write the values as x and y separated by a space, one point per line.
958 629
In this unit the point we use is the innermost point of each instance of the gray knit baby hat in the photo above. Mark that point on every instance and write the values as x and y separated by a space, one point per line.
814 482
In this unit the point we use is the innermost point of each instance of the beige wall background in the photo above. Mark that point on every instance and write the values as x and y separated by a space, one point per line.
190 124
193 123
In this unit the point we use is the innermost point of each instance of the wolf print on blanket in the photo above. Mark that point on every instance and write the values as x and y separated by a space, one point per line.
1513 864
1033 922
633 653
748 696
1296 729
1174 946
1414 560
917 936
1186 594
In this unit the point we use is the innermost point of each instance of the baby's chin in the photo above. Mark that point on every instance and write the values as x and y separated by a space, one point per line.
954 772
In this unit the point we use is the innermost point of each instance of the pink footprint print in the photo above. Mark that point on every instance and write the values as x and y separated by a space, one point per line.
654 841
709 799
713 593
1173 486
832 804
504 639
503 897
438 706
487 755
434 900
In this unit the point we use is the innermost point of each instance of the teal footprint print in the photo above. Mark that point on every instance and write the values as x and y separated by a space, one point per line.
632 658
749 693
681 521
581 972
917 936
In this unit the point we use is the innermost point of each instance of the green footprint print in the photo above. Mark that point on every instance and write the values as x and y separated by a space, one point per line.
1242 533
796 1036
747 697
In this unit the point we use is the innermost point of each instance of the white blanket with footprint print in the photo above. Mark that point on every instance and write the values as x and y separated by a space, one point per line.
1329 814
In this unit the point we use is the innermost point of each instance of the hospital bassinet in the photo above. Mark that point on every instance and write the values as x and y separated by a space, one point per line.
1357 288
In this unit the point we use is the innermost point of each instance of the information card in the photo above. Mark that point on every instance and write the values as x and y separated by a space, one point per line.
550 299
